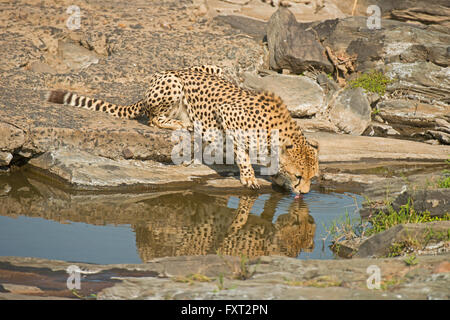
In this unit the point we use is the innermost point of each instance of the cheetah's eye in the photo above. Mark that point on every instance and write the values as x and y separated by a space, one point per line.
289 147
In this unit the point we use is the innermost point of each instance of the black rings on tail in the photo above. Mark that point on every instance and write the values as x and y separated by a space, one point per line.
72 99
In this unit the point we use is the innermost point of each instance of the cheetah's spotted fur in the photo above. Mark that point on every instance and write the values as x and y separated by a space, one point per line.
176 99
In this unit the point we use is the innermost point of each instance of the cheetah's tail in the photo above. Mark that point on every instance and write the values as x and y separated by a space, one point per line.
72 99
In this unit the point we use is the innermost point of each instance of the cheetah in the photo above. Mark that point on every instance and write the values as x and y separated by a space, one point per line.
177 99
202 224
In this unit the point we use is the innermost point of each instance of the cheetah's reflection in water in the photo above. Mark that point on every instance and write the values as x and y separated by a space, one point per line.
199 224
160 223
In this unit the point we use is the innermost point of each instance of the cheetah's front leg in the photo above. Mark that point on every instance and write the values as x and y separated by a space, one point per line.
247 174
243 211
226 118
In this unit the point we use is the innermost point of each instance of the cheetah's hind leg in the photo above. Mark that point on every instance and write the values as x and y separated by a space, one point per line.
164 122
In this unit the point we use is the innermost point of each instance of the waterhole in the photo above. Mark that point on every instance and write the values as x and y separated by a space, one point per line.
38 219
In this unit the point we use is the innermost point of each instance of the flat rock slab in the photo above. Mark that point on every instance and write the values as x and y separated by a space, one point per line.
414 114
198 278
253 27
348 148
256 9
82 169
422 78
414 53
316 125
414 11
382 189
381 244
436 202
50 127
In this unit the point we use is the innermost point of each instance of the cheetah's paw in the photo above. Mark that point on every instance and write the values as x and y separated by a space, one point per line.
250 182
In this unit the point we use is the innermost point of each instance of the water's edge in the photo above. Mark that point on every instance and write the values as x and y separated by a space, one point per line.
38 219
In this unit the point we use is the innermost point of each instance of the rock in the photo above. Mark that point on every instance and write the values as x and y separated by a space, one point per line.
240 2
350 36
21 289
122 77
412 113
349 148
292 46
252 17
316 125
409 52
380 130
350 111
373 98
5 188
409 44
414 11
303 96
362 179
380 244
436 202
5 158
75 56
394 42
432 142
215 277
41 67
423 79
399 177
87 170
443 123
81 170
377 118
412 118
253 27
303 10
52 127
426 15
11 137
326 83
84 170
439 55
99 42
443 137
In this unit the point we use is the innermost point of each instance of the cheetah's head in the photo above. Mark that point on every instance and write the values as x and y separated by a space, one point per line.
299 163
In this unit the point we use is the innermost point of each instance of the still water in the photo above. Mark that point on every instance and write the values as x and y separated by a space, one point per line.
40 220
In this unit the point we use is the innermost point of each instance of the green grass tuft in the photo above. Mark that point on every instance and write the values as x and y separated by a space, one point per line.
348 229
444 182
406 214
373 81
